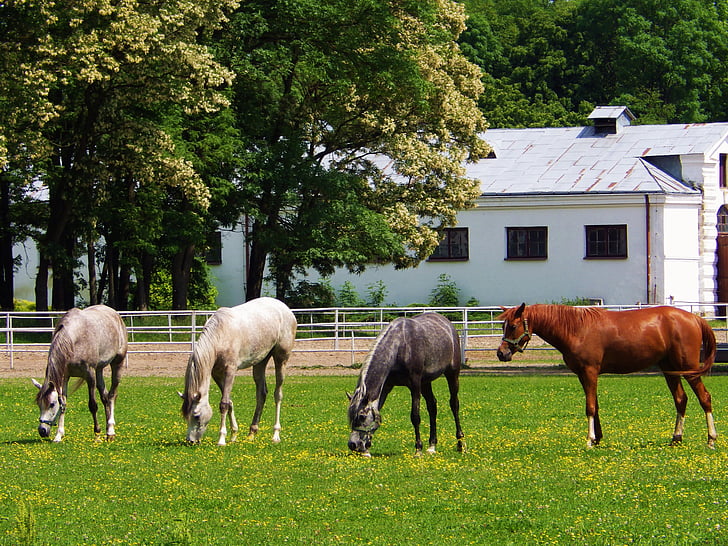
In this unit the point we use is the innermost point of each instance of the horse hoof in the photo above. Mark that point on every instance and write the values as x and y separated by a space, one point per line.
462 448
431 450
418 453
251 437
110 437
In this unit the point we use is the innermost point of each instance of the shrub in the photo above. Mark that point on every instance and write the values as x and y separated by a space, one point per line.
446 293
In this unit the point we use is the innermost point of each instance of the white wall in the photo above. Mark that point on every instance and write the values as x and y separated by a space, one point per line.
229 277
492 280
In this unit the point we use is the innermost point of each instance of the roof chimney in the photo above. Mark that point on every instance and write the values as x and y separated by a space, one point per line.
608 120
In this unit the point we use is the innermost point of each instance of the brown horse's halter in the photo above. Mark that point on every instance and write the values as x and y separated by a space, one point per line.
515 342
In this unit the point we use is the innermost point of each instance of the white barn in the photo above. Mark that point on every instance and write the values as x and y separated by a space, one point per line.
613 212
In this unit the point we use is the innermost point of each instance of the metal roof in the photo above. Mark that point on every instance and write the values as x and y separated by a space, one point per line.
579 160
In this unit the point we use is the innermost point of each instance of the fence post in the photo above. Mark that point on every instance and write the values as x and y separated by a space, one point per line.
9 339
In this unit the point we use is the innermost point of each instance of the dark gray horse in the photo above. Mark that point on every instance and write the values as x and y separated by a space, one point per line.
410 352
83 344
235 338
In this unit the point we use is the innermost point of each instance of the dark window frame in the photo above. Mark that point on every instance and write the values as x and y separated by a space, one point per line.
723 171
213 252
454 246
527 243
606 242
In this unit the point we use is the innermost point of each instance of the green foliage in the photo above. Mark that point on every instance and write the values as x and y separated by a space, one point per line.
527 477
548 63
348 296
311 294
575 301
24 305
201 295
377 292
446 293
25 524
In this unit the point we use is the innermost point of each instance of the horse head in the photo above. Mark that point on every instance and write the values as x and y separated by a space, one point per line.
516 334
197 412
364 419
51 407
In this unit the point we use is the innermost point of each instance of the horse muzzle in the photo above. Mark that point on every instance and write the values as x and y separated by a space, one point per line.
504 353
44 430
359 442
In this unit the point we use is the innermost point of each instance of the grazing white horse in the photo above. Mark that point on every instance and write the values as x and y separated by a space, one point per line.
235 338
83 344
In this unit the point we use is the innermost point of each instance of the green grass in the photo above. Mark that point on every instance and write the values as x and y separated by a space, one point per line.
527 477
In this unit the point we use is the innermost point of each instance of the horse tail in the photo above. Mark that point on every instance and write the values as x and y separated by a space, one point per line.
707 353
710 346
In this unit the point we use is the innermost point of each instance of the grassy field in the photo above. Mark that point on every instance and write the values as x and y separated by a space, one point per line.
527 477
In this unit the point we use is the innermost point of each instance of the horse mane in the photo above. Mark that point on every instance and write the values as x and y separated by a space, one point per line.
59 353
203 357
379 361
566 318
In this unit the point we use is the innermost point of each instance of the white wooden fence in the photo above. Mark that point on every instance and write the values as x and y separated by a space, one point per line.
339 329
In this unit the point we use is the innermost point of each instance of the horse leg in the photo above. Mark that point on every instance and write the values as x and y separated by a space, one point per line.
278 396
261 392
431 403
93 406
696 383
453 383
62 399
415 391
111 400
225 383
589 384
104 395
681 402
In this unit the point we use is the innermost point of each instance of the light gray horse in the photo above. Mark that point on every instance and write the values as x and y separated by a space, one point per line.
83 344
235 338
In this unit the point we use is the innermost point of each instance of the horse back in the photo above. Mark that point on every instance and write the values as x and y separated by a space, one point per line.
96 334
667 336
256 329
433 340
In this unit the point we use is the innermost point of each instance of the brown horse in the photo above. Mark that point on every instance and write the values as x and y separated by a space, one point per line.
594 341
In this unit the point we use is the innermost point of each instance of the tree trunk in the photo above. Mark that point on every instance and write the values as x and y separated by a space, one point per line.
144 282
7 289
41 282
256 270
124 288
92 280
63 297
181 268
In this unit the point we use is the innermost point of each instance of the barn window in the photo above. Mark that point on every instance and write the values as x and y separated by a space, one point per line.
213 250
722 175
723 219
454 245
526 243
606 241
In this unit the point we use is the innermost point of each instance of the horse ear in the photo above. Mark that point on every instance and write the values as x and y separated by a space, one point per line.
182 396
38 385
520 309
349 396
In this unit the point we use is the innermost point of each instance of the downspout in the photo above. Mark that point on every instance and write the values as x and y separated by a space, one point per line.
648 253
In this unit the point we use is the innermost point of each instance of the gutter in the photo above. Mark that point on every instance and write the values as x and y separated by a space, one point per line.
648 253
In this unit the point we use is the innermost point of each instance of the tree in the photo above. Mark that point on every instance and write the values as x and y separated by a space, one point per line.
114 74
360 116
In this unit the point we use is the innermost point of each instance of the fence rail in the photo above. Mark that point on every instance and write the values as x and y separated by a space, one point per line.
336 329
